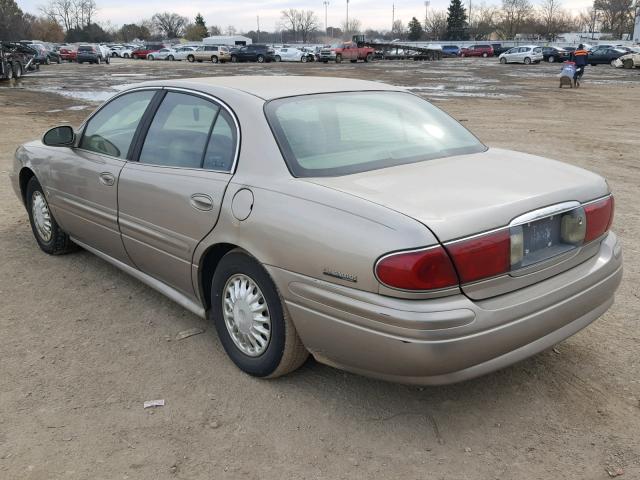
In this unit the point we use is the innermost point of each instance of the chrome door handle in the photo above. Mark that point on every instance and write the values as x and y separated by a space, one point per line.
107 179
200 201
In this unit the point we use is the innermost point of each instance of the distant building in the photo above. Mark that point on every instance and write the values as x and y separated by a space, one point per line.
229 40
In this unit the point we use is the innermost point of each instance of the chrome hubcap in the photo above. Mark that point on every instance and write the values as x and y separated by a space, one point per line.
246 315
41 215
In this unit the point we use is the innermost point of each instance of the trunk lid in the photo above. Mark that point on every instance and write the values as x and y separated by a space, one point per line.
460 196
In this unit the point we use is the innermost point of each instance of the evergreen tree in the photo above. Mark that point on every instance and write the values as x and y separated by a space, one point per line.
200 21
457 21
415 29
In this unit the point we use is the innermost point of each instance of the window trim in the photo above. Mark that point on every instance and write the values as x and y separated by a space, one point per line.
143 134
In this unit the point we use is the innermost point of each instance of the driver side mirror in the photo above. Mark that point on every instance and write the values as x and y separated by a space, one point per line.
62 136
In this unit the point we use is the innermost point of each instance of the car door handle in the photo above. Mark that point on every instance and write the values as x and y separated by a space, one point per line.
200 201
107 179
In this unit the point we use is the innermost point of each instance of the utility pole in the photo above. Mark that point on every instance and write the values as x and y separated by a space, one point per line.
426 14
393 16
326 25
258 20
469 14
347 24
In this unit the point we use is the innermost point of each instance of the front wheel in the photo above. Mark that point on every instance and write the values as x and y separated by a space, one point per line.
170 58
191 59
17 70
214 59
98 61
304 59
277 58
369 58
150 57
503 61
51 239
260 59
47 60
613 63
234 59
126 55
485 55
338 58
551 59
527 61
253 324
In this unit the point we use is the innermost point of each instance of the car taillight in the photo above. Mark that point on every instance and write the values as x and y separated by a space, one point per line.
482 256
428 269
599 218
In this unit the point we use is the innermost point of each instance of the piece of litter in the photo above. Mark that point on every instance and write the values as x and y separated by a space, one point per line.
556 351
154 403
614 471
189 333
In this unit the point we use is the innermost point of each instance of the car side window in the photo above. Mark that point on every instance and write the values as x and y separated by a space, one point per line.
179 131
111 130
222 144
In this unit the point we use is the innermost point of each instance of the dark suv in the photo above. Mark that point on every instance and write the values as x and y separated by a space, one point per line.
253 53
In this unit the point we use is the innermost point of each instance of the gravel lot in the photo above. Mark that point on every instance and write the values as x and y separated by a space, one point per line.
84 345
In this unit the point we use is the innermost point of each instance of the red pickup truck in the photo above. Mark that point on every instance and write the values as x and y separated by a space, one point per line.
346 51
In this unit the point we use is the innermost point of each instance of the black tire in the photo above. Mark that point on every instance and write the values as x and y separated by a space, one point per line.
277 58
260 59
369 58
98 61
214 59
126 55
58 61
527 61
627 63
338 58
234 59
17 70
485 55
551 59
304 59
285 351
503 61
150 57
10 71
171 58
191 58
59 243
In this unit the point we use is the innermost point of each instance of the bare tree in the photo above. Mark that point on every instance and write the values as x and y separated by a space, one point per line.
437 25
62 11
308 24
215 30
231 30
588 20
617 16
483 22
291 19
550 15
170 24
514 15
352 28
398 29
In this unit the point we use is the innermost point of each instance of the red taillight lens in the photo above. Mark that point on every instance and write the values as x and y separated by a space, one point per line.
599 218
427 269
482 256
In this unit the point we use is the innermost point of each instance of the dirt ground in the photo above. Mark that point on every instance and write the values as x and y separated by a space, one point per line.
82 345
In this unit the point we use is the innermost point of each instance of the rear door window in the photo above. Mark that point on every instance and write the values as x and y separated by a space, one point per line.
221 148
111 130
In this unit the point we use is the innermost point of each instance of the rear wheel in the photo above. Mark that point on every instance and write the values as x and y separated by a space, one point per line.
17 70
304 59
527 61
551 59
338 58
51 239
234 59
191 58
170 58
260 59
150 57
277 58
47 60
485 55
126 55
503 60
214 59
369 57
253 324
627 63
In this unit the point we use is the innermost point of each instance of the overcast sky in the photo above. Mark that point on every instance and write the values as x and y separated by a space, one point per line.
242 14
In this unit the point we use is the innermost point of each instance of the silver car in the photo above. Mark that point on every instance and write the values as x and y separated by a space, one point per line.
527 54
345 218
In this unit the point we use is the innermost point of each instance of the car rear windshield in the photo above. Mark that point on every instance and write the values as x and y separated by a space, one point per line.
342 133
85 48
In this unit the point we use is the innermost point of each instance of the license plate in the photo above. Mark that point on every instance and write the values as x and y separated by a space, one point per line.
542 240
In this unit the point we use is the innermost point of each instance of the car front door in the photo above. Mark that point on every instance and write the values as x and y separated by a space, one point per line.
170 198
84 186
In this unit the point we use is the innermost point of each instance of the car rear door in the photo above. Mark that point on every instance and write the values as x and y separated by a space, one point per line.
170 198
85 185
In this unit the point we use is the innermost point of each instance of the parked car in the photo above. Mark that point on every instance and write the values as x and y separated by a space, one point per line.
89 54
630 60
290 54
144 51
602 55
526 54
347 51
183 52
312 53
430 259
477 51
45 55
450 50
68 53
253 53
163 54
210 53
498 49
126 52
555 54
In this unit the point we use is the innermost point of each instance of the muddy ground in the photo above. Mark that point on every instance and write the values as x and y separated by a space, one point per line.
82 345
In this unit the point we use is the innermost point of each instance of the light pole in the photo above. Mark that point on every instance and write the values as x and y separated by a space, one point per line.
258 20
326 25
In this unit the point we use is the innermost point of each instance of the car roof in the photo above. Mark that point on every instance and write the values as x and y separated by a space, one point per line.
273 86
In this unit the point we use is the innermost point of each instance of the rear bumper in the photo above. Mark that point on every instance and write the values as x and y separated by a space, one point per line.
449 339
